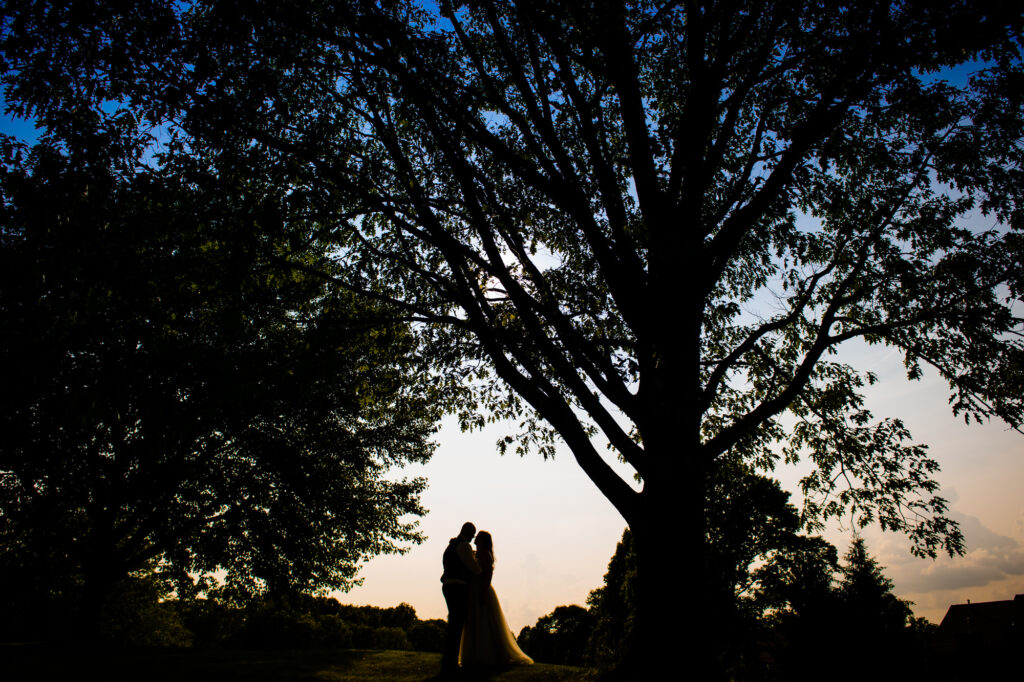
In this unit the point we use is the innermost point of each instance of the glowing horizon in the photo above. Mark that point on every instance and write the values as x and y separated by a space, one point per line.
554 532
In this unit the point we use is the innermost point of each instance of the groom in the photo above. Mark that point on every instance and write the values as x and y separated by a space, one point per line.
459 566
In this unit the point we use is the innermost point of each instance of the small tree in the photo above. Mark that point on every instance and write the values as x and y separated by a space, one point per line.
866 597
138 613
613 606
799 581
428 635
559 637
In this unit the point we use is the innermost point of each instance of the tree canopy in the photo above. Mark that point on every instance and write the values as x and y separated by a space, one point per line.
658 223
172 397
649 225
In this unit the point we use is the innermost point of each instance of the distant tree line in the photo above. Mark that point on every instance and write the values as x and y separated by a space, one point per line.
141 611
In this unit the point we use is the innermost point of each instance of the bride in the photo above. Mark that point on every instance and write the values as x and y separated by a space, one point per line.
486 639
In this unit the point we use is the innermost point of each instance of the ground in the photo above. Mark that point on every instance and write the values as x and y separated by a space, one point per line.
44 664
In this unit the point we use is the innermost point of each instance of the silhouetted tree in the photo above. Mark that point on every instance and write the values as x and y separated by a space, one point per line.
592 197
749 520
809 610
613 606
559 637
428 635
758 563
653 222
799 579
172 398
795 592
867 595
869 611
137 613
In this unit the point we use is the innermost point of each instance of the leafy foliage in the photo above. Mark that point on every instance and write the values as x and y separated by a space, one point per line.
559 637
302 621
174 396
758 563
795 603
814 600
137 614
613 606
530 179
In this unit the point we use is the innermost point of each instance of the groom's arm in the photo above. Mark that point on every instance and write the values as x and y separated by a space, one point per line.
468 558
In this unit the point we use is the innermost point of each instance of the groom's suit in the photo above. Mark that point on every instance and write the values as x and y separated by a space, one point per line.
459 567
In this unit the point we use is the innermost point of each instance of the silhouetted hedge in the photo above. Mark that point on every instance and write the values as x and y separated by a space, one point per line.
140 612
428 635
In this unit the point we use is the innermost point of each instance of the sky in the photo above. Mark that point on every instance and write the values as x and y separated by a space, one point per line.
554 532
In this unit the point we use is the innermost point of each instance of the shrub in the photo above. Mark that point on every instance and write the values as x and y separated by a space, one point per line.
559 637
133 615
211 622
277 629
390 638
362 636
428 635
334 632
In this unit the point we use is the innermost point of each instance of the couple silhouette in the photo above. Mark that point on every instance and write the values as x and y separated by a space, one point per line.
477 633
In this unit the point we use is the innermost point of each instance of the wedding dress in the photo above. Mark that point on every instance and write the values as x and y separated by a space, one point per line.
486 639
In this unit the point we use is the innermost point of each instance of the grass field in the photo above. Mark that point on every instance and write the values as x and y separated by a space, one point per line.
31 663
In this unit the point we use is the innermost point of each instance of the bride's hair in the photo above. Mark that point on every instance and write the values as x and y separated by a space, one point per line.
484 542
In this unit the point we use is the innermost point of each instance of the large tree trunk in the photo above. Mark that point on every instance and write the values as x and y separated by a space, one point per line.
675 631
88 617
101 572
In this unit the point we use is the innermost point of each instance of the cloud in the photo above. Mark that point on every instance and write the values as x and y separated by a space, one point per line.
990 558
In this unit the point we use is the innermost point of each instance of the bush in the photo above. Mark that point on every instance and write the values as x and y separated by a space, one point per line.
402 616
362 636
559 637
277 629
211 622
133 615
428 635
334 632
390 638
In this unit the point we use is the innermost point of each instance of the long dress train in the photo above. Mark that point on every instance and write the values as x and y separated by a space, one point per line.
486 639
